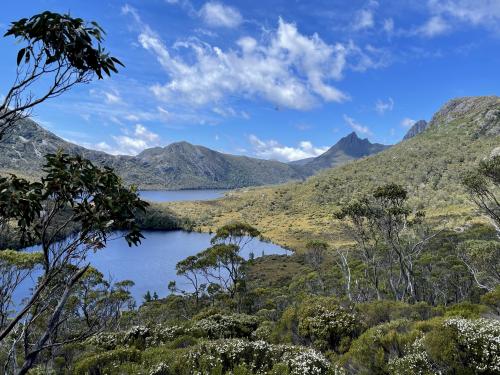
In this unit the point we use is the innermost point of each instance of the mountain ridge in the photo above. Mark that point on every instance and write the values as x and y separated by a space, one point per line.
179 165
193 167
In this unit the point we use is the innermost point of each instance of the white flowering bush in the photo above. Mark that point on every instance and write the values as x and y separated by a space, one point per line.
219 326
416 361
479 341
327 327
259 356
105 340
160 369
138 336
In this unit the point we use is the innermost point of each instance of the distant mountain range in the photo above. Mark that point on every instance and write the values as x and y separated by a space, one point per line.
177 166
430 164
351 147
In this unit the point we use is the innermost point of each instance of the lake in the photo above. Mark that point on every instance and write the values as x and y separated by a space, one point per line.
151 265
180 195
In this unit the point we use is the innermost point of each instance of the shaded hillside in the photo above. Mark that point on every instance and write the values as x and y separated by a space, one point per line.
429 165
349 148
177 166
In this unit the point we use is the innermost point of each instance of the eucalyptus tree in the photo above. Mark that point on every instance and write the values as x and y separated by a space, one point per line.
236 233
58 52
391 236
481 257
88 202
483 186
190 269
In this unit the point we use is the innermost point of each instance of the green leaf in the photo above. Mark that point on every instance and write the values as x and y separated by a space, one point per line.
20 55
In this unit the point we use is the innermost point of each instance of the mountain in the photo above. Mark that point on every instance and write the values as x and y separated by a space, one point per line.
429 165
416 129
183 164
177 166
351 147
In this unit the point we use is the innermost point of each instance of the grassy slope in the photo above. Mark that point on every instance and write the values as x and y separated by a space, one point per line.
429 165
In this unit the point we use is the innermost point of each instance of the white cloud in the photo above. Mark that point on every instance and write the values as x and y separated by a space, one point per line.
217 14
436 25
446 15
112 97
356 126
132 143
381 107
285 67
272 149
363 20
475 12
407 122
388 25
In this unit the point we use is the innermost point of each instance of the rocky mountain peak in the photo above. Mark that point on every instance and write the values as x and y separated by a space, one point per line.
416 128
483 111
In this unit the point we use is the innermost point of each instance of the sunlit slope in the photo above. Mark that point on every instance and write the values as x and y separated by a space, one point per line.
429 165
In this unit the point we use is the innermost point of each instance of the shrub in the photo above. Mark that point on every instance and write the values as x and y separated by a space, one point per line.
377 312
326 324
492 300
371 352
226 326
105 362
477 345
259 356
465 310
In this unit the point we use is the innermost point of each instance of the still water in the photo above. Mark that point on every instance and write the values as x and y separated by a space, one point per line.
180 195
151 265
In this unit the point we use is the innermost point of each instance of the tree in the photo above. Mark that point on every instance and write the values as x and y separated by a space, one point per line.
237 233
147 297
483 186
482 259
222 263
190 269
74 197
58 52
389 232
315 253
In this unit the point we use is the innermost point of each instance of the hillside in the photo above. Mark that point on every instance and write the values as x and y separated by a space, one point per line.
461 133
182 165
177 166
348 148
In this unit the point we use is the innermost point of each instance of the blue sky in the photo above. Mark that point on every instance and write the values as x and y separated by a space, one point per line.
278 79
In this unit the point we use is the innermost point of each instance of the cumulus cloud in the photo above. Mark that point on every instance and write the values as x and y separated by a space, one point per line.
407 122
272 149
357 127
284 67
131 143
216 14
381 107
